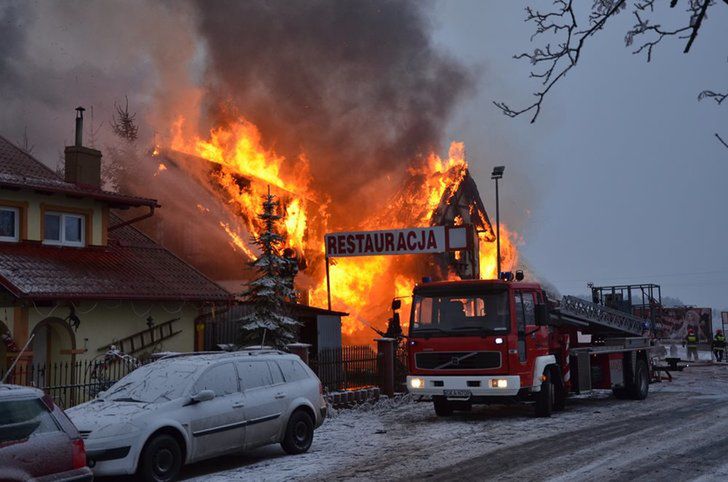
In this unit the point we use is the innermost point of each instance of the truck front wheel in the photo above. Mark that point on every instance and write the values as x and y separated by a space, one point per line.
545 398
560 393
443 407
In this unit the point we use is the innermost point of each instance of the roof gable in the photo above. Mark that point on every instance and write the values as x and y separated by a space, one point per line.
16 163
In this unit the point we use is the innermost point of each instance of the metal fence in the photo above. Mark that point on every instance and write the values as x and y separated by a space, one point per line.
346 368
70 383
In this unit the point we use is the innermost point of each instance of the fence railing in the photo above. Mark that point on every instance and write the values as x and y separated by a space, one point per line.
70 383
346 368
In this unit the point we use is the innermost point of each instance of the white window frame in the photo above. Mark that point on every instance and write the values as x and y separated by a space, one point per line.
16 237
62 230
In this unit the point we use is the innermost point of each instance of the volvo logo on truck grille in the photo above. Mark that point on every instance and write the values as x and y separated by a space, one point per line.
449 360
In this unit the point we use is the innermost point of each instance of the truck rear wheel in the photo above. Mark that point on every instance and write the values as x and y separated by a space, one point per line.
545 398
443 407
641 385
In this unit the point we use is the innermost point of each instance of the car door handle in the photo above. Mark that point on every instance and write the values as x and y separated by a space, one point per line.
238 405
280 395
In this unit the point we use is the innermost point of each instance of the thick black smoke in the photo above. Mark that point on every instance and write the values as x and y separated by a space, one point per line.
356 85
55 56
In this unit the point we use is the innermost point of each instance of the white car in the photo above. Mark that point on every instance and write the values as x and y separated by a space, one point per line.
188 407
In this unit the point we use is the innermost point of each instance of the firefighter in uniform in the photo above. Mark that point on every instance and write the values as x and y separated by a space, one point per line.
691 340
719 345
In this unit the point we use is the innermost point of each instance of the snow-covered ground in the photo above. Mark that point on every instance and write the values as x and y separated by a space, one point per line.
679 432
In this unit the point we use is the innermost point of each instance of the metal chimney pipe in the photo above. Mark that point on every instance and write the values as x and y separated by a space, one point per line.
79 126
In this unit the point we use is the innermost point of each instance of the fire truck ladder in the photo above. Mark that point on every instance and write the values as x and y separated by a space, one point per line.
576 311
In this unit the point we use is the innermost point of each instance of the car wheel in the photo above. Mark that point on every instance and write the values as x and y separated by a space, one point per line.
299 433
161 459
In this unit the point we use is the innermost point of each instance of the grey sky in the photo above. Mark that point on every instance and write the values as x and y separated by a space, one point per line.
621 174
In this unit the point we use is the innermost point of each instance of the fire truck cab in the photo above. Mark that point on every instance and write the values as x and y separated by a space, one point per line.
493 341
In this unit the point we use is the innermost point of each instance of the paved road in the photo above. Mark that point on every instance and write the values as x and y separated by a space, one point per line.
679 433
686 441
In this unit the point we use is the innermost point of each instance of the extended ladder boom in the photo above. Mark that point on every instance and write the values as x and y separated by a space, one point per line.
573 310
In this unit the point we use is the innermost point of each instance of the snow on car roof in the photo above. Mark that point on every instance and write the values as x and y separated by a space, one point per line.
208 357
8 390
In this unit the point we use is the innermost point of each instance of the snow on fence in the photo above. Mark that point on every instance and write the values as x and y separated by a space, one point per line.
346 368
69 383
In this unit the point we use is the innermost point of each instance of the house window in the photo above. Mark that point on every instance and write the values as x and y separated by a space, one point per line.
9 223
64 229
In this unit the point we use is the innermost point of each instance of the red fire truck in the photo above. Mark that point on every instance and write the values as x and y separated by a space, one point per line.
495 341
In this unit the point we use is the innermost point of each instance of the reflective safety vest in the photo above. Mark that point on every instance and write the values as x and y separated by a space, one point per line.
719 341
692 340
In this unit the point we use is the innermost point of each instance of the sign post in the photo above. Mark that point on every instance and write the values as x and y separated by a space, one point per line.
388 242
328 283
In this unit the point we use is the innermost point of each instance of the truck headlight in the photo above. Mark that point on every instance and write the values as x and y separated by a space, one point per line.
417 383
499 383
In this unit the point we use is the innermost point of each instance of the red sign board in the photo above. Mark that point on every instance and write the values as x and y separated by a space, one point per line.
395 241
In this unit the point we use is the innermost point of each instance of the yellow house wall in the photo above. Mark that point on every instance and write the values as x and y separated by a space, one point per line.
35 200
104 322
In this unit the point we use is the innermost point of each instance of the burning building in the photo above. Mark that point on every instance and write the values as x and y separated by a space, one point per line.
341 107
212 186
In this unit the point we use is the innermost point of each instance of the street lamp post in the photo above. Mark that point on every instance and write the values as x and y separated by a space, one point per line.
497 174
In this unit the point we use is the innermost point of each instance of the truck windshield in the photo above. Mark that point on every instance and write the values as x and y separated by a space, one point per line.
434 315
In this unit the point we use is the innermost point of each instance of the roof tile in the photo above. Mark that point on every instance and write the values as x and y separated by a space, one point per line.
137 269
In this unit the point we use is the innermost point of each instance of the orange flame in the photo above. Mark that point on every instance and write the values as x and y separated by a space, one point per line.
362 287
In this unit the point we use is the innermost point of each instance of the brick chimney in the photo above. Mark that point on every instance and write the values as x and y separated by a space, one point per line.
83 164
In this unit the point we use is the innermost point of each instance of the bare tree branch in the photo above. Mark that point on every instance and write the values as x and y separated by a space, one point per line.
642 27
560 60
25 144
553 61
720 139
696 24
716 96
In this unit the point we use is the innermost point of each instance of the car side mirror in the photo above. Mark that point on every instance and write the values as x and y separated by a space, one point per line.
396 304
542 314
203 396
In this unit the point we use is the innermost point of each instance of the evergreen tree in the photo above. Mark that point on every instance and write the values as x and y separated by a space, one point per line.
268 323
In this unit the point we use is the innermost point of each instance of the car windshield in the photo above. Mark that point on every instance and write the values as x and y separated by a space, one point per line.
447 314
157 382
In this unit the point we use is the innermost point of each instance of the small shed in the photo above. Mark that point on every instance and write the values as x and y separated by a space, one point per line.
320 328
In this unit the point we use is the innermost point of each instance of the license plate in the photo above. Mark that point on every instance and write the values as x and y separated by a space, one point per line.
457 393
